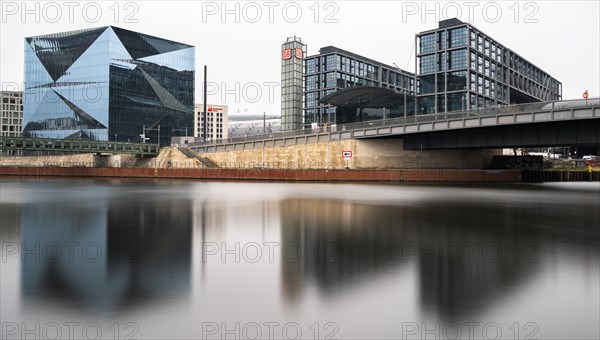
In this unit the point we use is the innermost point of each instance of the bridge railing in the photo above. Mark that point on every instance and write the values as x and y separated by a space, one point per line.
72 145
415 119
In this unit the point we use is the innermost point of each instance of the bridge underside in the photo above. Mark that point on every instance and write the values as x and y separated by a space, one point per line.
564 133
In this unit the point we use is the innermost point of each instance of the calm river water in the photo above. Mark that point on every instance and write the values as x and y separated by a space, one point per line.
101 259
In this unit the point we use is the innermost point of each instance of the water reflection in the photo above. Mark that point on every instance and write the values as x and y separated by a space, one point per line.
469 254
110 254
385 253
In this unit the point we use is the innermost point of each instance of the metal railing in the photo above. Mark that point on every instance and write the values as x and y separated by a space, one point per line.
415 119
81 146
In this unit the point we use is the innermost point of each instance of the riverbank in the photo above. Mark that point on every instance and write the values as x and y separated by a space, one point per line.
307 175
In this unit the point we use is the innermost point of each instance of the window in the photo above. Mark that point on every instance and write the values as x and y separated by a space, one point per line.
427 43
441 103
330 80
426 105
311 83
442 40
427 64
457 81
458 59
311 66
427 84
458 37
442 62
441 83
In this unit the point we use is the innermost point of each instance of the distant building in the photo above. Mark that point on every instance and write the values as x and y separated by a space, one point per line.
293 52
244 125
107 83
217 118
334 69
11 113
461 68
457 68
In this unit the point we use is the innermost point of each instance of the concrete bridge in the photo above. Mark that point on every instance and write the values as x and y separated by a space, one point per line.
558 123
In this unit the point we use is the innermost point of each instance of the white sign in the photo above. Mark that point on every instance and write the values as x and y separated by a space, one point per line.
346 154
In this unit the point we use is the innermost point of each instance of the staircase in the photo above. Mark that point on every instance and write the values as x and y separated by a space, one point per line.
206 162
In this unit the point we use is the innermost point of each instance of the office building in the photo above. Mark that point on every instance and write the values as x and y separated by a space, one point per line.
217 117
461 68
293 52
11 113
334 69
107 83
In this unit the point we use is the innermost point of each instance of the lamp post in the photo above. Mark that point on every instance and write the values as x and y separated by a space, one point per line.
144 134
186 130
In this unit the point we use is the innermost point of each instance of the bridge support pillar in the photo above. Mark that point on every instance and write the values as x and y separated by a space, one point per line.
390 154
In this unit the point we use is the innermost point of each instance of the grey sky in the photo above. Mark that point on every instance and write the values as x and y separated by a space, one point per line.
561 37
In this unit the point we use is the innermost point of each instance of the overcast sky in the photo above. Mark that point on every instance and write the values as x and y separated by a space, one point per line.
240 41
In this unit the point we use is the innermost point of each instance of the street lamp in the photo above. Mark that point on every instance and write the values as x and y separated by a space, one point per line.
144 139
186 130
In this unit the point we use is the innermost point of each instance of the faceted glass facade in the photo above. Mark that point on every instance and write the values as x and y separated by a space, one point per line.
334 69
460 68
107 84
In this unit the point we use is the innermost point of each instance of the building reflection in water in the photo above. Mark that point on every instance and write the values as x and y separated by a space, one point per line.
10 215
468 254
113 254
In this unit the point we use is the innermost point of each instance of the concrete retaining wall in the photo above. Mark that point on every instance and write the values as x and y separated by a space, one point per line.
367 154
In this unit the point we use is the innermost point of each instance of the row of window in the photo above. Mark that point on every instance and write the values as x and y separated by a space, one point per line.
442 40
457 81
15 121
453 102
12 100
343 80
367 73
454 81
336 62
455 59
10 134
487 47
11 128
488 67
525 68
543 93
12 114
11 107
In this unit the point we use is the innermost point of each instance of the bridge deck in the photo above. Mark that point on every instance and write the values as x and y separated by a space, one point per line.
570 110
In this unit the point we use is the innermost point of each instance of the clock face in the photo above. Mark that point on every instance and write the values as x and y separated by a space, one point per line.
298 53
286 54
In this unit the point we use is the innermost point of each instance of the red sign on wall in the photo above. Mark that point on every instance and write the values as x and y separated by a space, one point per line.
286 54
298 53
346 154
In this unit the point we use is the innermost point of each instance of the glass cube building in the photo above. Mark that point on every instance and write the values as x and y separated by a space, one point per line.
335 69
107 83
461 68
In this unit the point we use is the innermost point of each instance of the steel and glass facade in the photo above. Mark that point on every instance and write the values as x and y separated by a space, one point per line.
334 69
107 84
461 68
